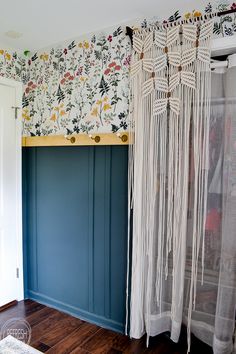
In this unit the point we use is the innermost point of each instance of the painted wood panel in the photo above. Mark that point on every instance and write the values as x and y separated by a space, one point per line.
75 230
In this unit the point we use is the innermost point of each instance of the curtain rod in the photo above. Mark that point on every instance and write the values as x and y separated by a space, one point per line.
220 64
129 30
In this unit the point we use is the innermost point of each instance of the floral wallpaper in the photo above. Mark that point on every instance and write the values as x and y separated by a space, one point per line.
82 87
223 26
13 66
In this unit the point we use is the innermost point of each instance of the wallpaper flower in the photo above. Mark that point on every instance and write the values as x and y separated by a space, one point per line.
80 88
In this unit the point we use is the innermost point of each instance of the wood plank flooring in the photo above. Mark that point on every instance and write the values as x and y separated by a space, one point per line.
54 332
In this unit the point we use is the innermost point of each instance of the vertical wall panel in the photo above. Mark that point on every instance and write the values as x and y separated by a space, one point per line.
31 217
107 231
99 229
118 243
76 230
63 211
90 250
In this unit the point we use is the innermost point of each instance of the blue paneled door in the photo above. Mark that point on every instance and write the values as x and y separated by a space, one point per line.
75 230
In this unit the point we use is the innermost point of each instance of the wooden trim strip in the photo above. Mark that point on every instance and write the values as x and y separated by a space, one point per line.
9 304
76 140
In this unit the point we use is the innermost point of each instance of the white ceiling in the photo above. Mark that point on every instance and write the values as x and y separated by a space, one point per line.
45 22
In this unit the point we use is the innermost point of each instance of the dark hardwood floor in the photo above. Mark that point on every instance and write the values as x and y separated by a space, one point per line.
54 332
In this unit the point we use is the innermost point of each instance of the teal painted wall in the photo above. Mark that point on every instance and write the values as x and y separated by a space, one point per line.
75 230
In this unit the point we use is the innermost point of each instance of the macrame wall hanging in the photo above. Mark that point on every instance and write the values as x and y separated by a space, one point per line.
170 89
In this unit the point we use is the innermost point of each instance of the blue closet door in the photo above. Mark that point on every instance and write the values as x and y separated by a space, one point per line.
75 230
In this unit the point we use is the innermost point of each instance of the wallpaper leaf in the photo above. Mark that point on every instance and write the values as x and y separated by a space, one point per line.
25 101
60 94
71 45
117 32
208 8
104 87
176 16
34 57
217 28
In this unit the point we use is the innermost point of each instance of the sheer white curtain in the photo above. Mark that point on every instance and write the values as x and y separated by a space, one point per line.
213 320
190 277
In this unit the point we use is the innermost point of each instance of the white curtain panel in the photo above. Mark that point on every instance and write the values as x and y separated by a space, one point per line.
181 168
220 230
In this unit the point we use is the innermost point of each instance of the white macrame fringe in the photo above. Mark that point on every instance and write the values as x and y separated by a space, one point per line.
170 91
